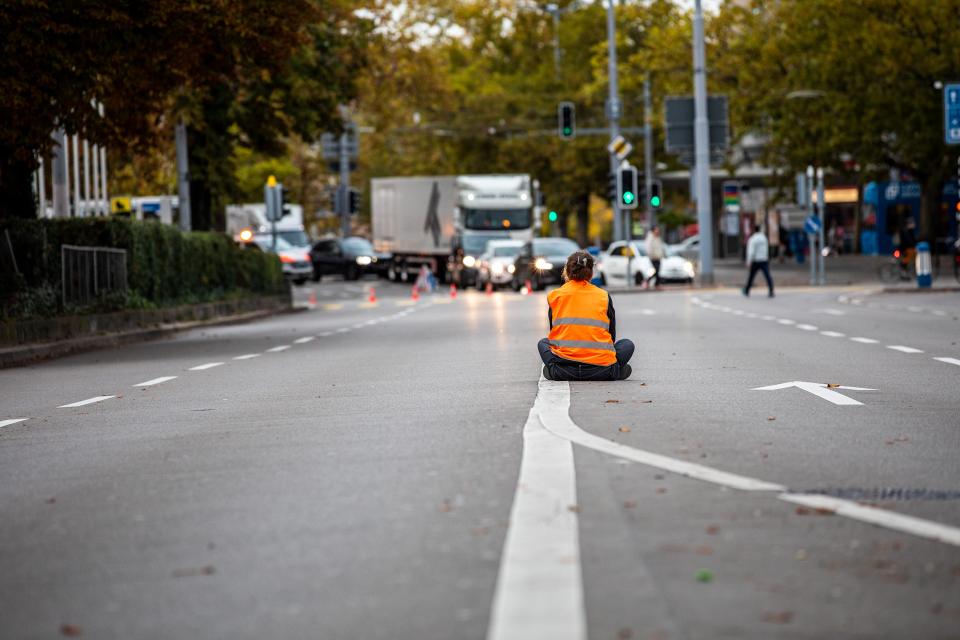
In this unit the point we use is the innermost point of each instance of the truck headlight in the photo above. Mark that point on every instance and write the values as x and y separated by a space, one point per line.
543 265
364 260
511 268
469 261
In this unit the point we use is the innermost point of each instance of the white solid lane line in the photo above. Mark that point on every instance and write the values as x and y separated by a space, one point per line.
552 405
204 367
539 591
82 403
282 347
4 423
880 517
160 380
949 361
304 340
832 334
865 340
900 347
247 356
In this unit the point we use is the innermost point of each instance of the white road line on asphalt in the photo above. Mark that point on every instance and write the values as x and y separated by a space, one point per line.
807 327
833 334
325 334
342 330
900 347
786 321
247 356
539 591
832 312
738 312
821 390
204 367
278 349
862 340
949 361
768 318
82 403
915 309
938 312
160 380
9 421
842 298
750 315
880 517
648 312
552 405
359 325
304 340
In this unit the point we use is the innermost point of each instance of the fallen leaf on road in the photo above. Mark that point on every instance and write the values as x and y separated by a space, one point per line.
778 617
575 508
194 571
833 385
771 417
646 402
643 384
801 554
624 429
612 402
713 530
704 575
51 500
630 504
804 511
445 507
71 630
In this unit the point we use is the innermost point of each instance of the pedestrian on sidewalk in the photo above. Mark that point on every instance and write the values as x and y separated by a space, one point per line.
582 344
758 259
656 252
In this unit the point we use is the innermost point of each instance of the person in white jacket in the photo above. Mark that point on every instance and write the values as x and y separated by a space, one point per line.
758 259
656 252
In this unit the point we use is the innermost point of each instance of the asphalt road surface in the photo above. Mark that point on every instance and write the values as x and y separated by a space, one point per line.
775 468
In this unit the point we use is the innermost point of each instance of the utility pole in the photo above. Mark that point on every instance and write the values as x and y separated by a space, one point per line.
701 134
613 112
183 176
344 200
809 186
822 207
648 174
103 170
555 14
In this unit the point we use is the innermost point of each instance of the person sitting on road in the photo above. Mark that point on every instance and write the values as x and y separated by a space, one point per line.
582 344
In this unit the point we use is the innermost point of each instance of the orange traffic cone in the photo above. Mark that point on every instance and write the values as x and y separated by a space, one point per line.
453 290
373 295
415 293
312 301
527 288
489 288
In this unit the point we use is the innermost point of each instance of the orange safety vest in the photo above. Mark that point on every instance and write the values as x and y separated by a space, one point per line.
581 327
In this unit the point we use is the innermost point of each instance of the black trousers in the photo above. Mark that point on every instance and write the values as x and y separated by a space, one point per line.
763 267
563 369
655 278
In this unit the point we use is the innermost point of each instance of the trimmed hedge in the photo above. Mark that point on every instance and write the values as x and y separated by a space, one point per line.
164 265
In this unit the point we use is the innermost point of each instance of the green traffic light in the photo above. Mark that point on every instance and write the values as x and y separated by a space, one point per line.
552 216
628 197
567 131
655 201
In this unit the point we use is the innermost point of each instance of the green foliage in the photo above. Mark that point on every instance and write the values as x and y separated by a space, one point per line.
164 265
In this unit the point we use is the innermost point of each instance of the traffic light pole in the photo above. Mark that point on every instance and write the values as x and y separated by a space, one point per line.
613 112
701 136
344 200
648 174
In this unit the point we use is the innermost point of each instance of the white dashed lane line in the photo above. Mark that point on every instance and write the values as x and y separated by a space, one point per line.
160 380
9 421
949 361
833 334
903 349
304 340
247 356
862 340
786 321
806 327
83 403
282 347
204 367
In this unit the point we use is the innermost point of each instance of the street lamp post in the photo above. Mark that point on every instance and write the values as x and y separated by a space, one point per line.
701 135
613 112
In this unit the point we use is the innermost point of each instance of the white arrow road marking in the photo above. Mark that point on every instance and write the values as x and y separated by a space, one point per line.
949 361
819 389
204 367
900 347
160 380
8 422
85 402
539 592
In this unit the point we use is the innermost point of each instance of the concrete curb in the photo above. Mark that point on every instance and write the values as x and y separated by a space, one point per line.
20 355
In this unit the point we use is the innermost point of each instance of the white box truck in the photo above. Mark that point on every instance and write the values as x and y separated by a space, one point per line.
445 222
253 216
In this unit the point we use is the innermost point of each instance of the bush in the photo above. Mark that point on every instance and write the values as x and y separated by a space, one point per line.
164 265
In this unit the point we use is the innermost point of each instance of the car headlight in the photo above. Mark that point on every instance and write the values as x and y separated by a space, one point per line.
688 268
543 265
511 268
469 261
364 260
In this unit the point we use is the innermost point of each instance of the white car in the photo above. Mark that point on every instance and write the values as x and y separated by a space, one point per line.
675 268
623 258
496 263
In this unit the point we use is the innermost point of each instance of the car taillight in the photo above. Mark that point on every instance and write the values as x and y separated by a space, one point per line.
896 253
287 259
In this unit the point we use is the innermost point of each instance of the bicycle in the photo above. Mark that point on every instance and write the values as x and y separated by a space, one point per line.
899 268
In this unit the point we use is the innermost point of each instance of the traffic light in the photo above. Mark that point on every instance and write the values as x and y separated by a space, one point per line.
567 117
656 194
552 216
354 203
285 209
627 193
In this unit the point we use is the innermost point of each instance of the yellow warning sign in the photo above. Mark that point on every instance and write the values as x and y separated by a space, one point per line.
121 205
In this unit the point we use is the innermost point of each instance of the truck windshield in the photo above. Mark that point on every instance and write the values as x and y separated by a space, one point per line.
496 218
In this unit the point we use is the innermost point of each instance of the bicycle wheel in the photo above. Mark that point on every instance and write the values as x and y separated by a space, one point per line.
889 272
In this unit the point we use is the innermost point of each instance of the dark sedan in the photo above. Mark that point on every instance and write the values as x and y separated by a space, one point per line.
349 257
541 261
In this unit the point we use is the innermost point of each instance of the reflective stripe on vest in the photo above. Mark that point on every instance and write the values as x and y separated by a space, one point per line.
586 322
582 344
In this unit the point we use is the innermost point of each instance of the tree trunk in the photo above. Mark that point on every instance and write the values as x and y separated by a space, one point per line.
16 187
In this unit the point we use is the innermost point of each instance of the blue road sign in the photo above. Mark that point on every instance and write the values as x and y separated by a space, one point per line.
951 113
811 224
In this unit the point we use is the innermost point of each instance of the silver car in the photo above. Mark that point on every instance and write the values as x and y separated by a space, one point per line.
496 263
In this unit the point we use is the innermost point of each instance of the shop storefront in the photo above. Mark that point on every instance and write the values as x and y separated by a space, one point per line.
888 205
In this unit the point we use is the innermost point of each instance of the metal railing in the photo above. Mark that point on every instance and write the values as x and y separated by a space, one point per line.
87 273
